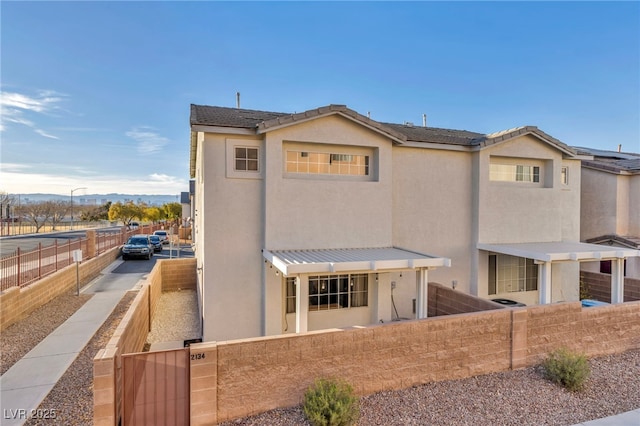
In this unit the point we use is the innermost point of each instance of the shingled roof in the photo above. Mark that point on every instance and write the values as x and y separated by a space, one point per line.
231 117
611 161
262 121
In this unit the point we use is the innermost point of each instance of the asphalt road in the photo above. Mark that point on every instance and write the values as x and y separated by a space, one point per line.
128 272
9 245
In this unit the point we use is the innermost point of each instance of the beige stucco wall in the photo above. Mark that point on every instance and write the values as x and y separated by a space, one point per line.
610 204
305 213
229 245
634 206
432 210
599 200
520 212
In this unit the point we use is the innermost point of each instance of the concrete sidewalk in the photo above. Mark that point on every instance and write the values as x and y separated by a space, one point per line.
25 385
630 418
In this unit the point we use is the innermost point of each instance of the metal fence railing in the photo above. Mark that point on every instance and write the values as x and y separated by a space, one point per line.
23 267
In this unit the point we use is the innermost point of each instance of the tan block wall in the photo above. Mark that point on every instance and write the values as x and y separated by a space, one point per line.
447 301
610 329
104 388
595 331
16 303
599 286
131 334
399 355
204 384
178 274
233 379
552 326
375 358
129 337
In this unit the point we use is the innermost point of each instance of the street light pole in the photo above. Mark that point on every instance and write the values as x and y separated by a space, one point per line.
84 187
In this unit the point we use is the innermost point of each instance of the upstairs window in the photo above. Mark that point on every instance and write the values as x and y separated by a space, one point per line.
564 176
327 163
514 173
246 158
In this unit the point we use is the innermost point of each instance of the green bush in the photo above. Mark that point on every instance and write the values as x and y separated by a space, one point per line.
567 368
330 402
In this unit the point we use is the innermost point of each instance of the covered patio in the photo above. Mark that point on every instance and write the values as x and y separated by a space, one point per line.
302 263
544 254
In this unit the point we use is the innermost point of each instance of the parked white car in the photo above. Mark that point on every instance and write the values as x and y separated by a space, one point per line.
164 236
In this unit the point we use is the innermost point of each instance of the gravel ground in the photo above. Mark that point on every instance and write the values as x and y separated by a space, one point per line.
521 397
176 318
18 339
72 396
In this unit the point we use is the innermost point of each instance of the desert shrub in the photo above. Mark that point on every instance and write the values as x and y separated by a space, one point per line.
331 402
584 290
567 368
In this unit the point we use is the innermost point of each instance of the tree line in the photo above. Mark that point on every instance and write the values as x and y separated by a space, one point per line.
54 213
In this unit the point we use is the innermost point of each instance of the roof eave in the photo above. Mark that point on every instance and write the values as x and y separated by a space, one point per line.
530 130
342 110
193 149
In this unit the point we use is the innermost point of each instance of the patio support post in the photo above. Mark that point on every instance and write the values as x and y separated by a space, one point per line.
422 293
544 282
302 304
617 280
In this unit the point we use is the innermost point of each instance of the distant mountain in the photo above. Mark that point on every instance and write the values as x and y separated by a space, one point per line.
99 199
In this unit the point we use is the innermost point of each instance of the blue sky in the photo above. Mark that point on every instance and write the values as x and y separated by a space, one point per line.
97 94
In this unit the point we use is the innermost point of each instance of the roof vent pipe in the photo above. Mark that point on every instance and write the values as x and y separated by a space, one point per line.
619 147
424 120
238 100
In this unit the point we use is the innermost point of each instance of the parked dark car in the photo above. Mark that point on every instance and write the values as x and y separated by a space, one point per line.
137 246
508 302
157 244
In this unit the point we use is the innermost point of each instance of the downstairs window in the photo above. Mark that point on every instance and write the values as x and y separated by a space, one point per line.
329 292
508 274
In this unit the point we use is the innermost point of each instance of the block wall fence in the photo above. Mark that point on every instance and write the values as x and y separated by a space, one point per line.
18 302
238 378
131 334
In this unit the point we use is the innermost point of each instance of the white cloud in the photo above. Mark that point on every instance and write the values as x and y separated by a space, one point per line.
13 167
14 106
45 101
45 134
148 140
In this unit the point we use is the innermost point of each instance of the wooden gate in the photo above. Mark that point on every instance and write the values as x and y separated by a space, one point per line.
155 388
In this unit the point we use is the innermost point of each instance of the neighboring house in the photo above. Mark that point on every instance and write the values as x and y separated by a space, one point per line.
610 213
327 218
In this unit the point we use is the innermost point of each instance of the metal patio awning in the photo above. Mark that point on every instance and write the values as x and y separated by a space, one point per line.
561 250
313 261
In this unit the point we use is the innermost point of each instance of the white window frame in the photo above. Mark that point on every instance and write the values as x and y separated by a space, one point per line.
322 297
231 171
364 157
522 173
511 274
564 175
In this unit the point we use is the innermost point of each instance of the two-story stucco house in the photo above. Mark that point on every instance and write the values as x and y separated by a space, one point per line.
610 215
327 218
